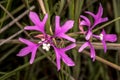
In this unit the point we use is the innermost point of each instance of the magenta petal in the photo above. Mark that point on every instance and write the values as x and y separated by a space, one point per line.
104 41
69 47
92 51
39 25
96 36
103 32
98 17
89 33
58 61
24 51
26 41
100 11
83 47
61 30
34 18
45 19
107 37
66 59
57 25
98 21
90 13
34 28
64 28
104 45
68 25
111 37
31 48
33 55
85 22
60 54
66 37
57 57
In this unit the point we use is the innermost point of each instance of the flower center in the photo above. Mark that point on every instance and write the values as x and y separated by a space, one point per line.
101 36
46 46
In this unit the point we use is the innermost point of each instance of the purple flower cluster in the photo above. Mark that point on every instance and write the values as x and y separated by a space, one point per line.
103 37
47 41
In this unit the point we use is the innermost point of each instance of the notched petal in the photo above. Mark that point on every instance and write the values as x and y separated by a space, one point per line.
83 47
24 51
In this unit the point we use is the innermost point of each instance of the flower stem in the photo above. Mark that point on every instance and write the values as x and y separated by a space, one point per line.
42 6
101 27
104 61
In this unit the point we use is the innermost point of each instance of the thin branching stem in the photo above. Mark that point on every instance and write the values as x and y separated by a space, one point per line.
97 45
17 23
104 61
15 20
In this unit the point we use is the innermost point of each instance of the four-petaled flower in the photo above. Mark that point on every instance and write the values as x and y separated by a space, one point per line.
31 48
97 20
47 40
106 37
103 36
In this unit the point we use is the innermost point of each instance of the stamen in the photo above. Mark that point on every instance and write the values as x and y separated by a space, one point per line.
46 46
41 40
101 36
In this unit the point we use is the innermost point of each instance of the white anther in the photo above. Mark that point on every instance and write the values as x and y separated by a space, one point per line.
46 46
101 36
41 40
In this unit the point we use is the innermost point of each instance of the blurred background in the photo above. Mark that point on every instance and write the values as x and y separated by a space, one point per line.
14 17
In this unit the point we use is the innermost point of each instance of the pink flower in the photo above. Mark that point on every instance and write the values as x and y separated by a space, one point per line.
47 41
106 37
97 20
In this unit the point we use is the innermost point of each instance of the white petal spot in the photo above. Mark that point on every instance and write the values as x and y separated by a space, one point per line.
101 36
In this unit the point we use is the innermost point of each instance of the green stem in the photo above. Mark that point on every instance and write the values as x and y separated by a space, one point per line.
108 23
7 75
7 8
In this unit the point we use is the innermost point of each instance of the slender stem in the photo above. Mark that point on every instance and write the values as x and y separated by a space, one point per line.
4 77
11 37
97 45
15 20
15 11
108 23
42 6
8 53
18 24
104 61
